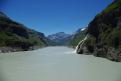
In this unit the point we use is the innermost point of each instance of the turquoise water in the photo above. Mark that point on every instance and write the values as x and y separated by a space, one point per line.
56 64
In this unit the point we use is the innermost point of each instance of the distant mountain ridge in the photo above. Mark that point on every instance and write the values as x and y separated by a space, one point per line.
60 38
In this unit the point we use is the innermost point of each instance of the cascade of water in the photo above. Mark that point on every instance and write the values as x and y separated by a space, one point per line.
81 43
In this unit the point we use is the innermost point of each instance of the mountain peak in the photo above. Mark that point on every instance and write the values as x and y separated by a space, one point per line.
61 38
3 15
59 35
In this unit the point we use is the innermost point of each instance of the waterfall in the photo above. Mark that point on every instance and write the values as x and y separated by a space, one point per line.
81 43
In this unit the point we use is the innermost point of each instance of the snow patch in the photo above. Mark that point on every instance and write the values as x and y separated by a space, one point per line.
83 29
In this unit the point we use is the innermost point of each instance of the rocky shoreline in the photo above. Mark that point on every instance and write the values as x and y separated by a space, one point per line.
17 49
104 52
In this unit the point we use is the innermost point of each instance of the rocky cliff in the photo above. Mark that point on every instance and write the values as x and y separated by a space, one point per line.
17 37
77 36
104 34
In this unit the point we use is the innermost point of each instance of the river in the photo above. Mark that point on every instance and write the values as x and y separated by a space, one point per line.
56 64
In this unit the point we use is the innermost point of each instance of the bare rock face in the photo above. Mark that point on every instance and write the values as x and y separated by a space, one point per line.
114 54
100 50
105 34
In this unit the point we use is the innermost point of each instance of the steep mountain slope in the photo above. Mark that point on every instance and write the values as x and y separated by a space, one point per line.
16 37
60 38
104 33
77 36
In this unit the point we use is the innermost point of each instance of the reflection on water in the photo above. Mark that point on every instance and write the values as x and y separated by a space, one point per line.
56 64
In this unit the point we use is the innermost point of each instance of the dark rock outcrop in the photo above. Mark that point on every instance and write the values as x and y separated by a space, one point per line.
105 33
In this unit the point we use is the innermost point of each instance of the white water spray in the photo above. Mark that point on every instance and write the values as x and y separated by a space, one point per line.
81 43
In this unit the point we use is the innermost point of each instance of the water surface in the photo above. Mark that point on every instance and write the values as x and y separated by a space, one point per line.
56 64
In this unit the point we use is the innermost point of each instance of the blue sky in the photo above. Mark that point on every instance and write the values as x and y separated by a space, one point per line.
51 16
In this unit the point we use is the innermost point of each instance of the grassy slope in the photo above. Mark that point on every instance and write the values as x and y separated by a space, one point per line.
10 38
111 7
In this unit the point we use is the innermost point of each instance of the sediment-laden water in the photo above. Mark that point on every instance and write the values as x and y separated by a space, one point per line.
56 64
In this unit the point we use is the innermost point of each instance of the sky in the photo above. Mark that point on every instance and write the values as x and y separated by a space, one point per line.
52 16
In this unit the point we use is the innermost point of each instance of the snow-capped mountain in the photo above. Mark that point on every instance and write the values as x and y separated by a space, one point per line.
60 38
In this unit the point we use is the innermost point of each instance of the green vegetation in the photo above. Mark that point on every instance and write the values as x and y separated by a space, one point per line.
111 7
13 34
